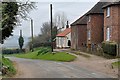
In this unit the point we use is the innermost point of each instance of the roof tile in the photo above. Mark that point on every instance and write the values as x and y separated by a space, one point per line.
64 33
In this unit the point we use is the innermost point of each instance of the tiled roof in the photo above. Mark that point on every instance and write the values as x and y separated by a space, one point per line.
81 21
111 3
64 33
97 8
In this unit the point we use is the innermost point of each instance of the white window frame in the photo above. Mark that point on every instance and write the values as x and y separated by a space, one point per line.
108 12
108 34
89 35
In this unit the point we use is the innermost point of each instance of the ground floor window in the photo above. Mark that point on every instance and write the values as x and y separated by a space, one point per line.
89 34
108 34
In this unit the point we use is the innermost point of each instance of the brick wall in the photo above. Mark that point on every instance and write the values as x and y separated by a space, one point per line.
119 24
73 37
82 36
96 25
113 21
78 36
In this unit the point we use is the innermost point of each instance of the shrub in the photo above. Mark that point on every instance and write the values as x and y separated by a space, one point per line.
110 48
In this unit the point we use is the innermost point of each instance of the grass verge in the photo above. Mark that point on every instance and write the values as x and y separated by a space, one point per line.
116 64
11 70
57 56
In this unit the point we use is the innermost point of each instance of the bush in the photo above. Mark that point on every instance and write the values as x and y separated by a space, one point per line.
110 48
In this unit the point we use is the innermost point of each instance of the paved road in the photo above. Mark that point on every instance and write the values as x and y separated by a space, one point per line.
28 68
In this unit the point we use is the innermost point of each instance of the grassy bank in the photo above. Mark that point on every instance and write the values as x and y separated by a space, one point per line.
116 64
10 70
47 55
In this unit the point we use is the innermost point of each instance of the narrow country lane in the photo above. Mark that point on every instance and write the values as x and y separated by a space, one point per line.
28 68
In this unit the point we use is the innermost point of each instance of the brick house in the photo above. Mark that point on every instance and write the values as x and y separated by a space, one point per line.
79 33
112 21
95 25
101 23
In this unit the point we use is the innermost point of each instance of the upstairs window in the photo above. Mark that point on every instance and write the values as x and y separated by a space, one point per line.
108 12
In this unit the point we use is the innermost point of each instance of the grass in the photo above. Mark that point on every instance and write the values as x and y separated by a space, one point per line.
57 56
116 64
11 70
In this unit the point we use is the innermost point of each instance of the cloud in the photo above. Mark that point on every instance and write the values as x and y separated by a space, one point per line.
73 10
64 0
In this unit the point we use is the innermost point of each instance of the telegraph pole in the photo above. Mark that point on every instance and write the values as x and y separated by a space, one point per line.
51 27
32 34
20 32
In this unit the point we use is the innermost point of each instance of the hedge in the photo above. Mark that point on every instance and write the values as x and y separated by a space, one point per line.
110 48
36 45
12 51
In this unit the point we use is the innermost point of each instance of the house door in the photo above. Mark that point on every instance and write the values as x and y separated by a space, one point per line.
69 43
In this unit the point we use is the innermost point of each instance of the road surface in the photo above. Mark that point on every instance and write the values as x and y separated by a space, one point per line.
28 68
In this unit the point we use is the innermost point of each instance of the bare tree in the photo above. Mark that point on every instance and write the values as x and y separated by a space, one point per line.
25 8
45 30
60 20
45 36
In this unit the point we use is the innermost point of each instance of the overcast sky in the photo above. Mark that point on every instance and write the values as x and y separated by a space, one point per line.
73 11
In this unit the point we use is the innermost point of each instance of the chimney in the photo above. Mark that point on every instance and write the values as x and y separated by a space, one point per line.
67 26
